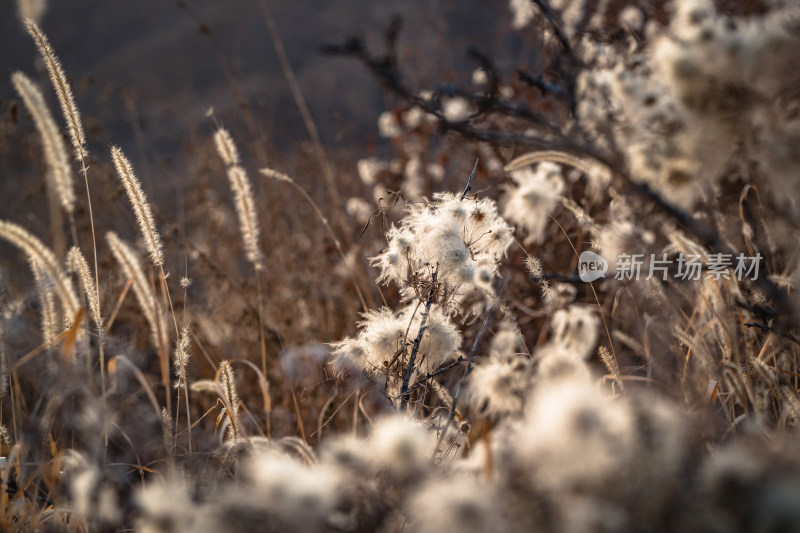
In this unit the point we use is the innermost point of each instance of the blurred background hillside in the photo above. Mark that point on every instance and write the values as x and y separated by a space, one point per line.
146 72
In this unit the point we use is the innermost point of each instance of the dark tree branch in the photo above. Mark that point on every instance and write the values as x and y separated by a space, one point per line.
441 370
762 327
551 19
386 72
537 81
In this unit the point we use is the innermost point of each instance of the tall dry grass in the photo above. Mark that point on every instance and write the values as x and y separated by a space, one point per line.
422 353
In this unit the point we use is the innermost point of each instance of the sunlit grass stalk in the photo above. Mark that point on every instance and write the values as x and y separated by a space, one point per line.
35 249
69 110
180 361
148 303
226 378
59 179
77 263
155 247
248 220
44 285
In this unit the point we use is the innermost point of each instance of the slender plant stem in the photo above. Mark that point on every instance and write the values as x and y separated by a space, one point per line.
413 357
283 177
300 102
84 170
261 339
467 371
101 350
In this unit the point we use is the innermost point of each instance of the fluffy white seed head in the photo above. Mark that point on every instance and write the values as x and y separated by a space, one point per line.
449 236
575 330
535 197
401 446
299 497
168 503
382 335
388 126
523 12
456 109
574 435
439 342
464 503
370 168
498 386
507 339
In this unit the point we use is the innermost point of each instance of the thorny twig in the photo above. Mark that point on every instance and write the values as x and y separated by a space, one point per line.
469 181
422 326
430 375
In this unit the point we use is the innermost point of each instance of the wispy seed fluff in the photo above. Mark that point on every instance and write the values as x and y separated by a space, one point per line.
63 90
575 330
574 336
242 196
401 447
536 195
59 177
523 13
575 436
383 337
293 495
77 263
380 339
461 502
141 208
440 340
499 386
457 235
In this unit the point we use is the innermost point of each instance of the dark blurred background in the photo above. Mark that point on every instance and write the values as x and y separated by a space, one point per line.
146 72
